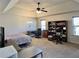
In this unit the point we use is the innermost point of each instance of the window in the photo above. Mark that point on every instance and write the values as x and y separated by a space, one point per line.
75 25
43 25
31 25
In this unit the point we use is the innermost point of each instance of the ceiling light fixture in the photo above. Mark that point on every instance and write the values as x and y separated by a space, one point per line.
38 12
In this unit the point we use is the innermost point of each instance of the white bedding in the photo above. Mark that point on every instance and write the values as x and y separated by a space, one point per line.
20 38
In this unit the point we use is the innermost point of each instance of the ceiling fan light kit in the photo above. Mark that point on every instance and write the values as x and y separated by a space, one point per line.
38 12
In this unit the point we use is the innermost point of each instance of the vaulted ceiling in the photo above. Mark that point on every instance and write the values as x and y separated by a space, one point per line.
27 8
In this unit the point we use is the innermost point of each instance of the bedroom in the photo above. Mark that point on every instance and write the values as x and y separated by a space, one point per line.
19 16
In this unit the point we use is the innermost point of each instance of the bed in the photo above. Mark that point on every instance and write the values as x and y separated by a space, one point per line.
20 38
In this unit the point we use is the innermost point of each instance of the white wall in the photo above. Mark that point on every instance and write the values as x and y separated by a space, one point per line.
67 17
14 24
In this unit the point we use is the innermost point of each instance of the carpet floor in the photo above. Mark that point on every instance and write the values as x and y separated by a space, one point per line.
53 50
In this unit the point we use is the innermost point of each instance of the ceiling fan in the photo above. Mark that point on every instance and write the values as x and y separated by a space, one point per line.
40 9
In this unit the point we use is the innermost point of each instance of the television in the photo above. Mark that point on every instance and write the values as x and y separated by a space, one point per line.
1 37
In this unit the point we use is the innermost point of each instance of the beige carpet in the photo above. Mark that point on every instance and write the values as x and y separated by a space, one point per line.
53 50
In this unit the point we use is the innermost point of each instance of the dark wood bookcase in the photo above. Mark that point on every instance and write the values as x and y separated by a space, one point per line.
57 29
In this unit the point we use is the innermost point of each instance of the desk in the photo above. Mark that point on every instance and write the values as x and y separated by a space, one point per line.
8 52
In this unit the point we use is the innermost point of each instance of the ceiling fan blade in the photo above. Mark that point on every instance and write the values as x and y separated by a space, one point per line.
44 10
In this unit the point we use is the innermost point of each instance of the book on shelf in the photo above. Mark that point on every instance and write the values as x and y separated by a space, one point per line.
58 28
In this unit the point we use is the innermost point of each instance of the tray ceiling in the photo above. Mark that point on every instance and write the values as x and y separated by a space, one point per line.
28 7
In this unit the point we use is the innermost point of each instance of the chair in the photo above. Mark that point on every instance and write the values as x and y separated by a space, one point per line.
58 38
38 33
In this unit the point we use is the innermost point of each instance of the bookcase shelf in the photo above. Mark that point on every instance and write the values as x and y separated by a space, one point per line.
57 29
